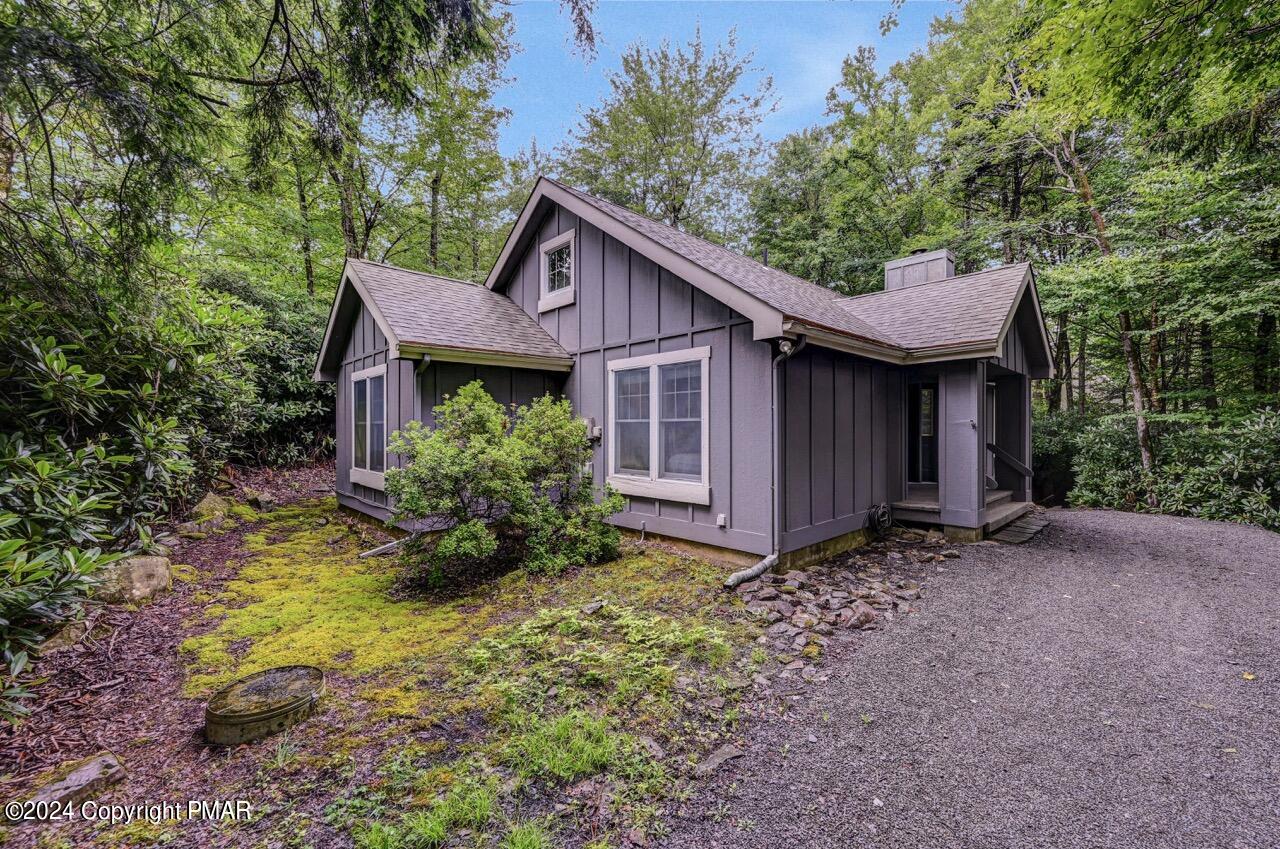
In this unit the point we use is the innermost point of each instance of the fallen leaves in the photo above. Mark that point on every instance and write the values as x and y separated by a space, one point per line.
1248 676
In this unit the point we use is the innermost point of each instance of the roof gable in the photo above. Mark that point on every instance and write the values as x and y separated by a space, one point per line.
428 315
967 317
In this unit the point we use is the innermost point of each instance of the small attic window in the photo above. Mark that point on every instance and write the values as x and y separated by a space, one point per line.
556 272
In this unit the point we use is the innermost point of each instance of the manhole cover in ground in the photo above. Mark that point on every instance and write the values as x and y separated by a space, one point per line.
262 704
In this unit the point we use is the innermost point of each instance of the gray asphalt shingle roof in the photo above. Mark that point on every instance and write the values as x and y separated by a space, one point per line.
423 309
784 292
970 308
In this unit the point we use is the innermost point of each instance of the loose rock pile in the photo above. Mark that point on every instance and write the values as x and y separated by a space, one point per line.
807 609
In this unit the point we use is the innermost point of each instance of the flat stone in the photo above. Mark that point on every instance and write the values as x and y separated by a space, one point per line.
209 506
804 620
785 608
748 586
261 501
653 747
74 782
713 761
133 579
766 593
858 615
592 607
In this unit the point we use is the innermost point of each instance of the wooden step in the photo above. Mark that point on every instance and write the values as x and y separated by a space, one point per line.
1002 513
1021 530
998 496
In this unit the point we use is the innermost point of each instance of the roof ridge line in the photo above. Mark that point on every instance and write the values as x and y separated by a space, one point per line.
932 282
444 277
686 233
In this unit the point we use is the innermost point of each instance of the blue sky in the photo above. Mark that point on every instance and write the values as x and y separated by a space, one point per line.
800 43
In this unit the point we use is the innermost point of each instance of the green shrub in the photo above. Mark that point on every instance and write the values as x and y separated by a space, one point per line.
507 488
293 419
109 416
1054 438
1230 472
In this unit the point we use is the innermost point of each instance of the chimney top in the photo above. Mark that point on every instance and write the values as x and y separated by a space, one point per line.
919 267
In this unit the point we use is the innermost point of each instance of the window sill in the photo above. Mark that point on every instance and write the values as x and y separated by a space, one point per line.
663 490
555 300
364 477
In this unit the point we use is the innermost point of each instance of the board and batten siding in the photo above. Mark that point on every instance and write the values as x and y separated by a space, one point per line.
411 394
1016 353
506 385
627 306
366 347
842 443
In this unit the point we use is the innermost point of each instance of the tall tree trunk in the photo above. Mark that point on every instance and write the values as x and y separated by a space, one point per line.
1207 377
1064 364
433 249
1080 377
1133 363
304 210
1132 358
346 211
8 155
1155 366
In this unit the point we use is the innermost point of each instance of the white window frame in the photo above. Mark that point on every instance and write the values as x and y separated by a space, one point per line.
561 297
365 477
652 486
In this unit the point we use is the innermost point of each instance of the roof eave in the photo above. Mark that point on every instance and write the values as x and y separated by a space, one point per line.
827 338
509 359
1029 284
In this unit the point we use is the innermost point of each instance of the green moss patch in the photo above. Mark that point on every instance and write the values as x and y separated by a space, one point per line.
476 712
298 599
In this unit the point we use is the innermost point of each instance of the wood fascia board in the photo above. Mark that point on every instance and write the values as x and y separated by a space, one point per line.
1029 285
840 342
351 279
944 353
409 350
767 321
517 232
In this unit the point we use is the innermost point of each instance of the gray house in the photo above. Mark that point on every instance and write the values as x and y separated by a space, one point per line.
735 405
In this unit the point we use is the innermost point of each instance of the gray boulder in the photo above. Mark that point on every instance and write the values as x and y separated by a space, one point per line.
75 782
133 579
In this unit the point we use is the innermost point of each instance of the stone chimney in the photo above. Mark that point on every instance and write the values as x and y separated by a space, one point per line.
919 268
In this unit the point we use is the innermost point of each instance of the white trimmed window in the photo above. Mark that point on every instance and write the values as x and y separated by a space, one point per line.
369 426
556 262
658 430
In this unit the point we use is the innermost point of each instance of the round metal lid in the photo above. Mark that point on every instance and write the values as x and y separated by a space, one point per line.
266 693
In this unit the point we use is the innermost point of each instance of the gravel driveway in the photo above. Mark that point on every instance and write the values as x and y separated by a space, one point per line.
1087 689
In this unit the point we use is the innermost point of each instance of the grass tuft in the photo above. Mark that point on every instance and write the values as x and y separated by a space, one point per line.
564 747
527 835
